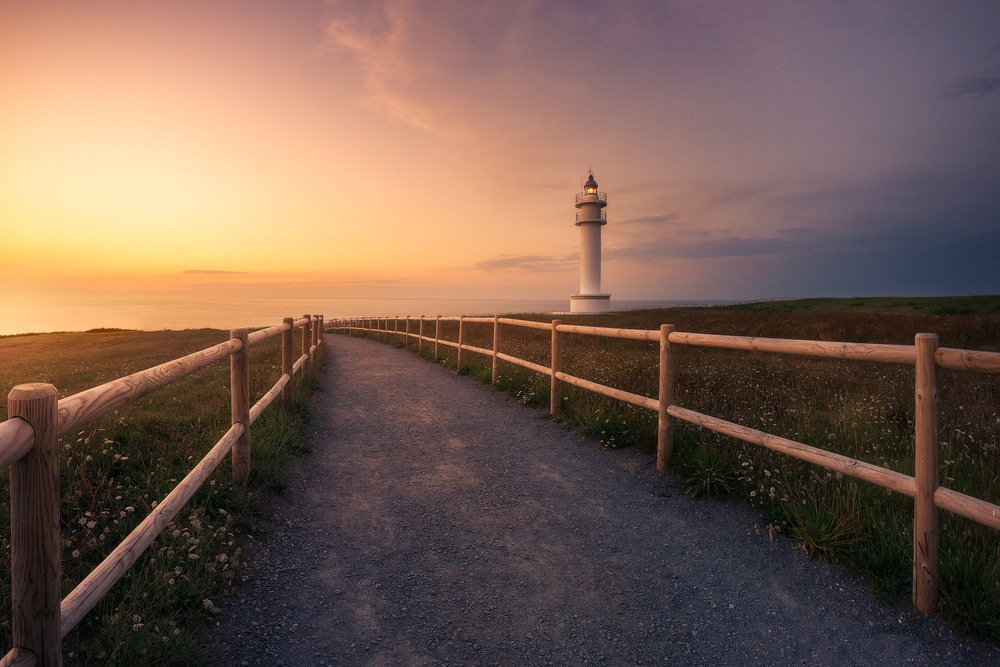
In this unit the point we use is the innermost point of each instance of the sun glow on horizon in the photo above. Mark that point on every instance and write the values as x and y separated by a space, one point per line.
418 149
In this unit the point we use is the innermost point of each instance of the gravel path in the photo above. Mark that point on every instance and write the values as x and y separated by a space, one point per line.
440 522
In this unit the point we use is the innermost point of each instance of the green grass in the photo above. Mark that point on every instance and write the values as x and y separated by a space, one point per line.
862 410
114 469
941 305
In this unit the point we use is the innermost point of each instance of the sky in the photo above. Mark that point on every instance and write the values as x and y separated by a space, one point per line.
433 149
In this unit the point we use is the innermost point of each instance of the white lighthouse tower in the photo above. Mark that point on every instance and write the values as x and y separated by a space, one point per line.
590 218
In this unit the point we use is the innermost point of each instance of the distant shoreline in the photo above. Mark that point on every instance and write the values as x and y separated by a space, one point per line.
138 314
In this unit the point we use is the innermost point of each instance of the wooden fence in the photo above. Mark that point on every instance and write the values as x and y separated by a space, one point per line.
925 355
29 445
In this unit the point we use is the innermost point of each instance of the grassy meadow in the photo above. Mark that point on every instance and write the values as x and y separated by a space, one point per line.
115 469
860 409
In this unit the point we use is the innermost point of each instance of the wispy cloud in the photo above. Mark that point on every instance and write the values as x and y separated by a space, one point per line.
977 85
665 219
540 263
719 245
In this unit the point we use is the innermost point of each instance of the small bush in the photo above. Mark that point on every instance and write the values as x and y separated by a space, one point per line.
706 472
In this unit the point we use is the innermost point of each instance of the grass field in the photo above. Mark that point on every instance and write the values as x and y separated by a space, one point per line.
115 469
859 409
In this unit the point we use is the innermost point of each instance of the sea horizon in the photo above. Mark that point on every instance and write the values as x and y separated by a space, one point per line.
170 312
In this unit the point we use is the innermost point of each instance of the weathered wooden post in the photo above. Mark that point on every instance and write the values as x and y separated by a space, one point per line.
36 565
420 340
305 344
239 374
555 403
395 328
437 334
287 362
925 512
496 345
406 341
668 380
461 341
315 336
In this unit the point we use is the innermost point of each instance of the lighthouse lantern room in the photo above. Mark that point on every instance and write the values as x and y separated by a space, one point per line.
590 218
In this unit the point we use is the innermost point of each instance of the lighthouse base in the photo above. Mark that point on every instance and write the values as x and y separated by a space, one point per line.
589 303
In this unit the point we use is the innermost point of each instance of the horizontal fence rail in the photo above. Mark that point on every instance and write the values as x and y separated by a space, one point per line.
29 446
925 356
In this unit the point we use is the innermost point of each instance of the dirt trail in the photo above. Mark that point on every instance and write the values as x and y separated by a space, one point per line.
439 522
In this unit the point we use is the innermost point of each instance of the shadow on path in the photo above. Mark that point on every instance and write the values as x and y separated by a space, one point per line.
439 522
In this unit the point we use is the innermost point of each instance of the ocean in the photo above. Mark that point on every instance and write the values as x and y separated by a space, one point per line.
159 312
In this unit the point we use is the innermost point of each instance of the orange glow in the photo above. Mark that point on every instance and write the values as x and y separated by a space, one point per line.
437 150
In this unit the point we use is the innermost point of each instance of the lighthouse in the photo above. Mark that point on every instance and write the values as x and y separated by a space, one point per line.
590 218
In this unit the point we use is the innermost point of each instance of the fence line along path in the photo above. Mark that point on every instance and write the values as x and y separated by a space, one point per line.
440 522
924 486
29 447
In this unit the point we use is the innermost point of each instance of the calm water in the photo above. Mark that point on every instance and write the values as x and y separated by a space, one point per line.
153 313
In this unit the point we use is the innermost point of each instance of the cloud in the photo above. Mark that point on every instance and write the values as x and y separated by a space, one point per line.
665 219
539 263
978 85
212 272
720 246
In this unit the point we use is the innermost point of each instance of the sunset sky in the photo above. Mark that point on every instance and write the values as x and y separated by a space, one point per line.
433 149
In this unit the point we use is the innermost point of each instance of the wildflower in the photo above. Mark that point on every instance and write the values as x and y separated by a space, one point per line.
76 553
194 556
91 524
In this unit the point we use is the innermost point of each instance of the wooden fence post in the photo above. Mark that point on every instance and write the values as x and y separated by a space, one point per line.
420 341
925 512
314 334
36 566
306 344
668 380
555 401
461 341
437 334
395 328
406 340
239 374
287 361
496 345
